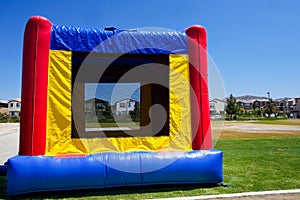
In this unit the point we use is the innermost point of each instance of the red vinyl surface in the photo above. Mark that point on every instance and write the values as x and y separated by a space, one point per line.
34 86
197 48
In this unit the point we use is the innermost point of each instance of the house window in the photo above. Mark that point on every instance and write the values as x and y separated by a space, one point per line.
99 105
247 105
11 105
118 87
122 105
109 101
18 105
14 114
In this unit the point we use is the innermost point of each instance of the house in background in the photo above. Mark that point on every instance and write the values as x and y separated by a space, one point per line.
95 107
14 108
123 107
282 106
286 105
245 105
217 107
3 107
296 110
260 104
252 104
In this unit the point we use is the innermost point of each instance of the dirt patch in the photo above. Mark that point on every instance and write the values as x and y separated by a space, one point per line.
261 128
239 130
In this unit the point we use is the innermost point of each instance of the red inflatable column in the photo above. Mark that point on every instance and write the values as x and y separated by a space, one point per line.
197 48
34 86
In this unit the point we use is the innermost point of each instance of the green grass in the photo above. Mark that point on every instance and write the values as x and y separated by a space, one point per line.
249 165
261 164
2 187
132 125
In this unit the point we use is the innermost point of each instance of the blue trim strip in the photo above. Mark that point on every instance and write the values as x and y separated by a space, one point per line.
27 174
118 41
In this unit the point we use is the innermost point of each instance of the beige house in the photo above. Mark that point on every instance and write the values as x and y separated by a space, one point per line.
124 106
286 105
14 108
217 107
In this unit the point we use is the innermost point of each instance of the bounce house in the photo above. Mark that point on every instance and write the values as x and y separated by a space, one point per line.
111 108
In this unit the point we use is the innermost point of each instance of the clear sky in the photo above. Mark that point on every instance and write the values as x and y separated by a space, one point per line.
254 43
112 92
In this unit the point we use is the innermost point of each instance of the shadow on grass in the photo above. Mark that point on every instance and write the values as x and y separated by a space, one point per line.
133 190
3 193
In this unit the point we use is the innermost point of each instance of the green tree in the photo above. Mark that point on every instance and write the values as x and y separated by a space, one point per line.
3 118
232 108
107 112
256 112
271 108
135 114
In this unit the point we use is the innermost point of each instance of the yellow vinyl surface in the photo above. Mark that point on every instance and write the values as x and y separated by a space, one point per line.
59 113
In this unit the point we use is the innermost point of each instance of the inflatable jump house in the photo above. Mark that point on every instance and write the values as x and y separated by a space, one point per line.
112 107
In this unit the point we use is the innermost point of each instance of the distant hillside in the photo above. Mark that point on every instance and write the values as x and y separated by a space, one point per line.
249 97
283 99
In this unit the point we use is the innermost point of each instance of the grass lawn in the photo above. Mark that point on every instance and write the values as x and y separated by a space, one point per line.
261 164
251 164
132 125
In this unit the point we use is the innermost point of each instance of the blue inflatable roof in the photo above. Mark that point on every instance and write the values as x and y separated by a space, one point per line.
118 41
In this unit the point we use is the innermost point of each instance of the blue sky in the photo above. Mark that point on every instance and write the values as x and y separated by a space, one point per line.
112 92
254 43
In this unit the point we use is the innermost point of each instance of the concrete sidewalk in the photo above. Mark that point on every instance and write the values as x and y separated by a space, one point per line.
9 141
263 195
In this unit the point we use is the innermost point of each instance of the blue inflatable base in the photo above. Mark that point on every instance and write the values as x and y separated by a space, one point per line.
26 174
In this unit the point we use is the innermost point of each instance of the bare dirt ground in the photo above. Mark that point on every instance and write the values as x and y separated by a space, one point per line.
239 130
261 128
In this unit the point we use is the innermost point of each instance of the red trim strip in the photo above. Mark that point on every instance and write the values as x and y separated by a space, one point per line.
197 48
70 156
34 86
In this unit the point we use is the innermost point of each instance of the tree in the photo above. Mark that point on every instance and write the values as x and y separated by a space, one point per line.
232 108
107 112
256 112
135 114
271 108
3 118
